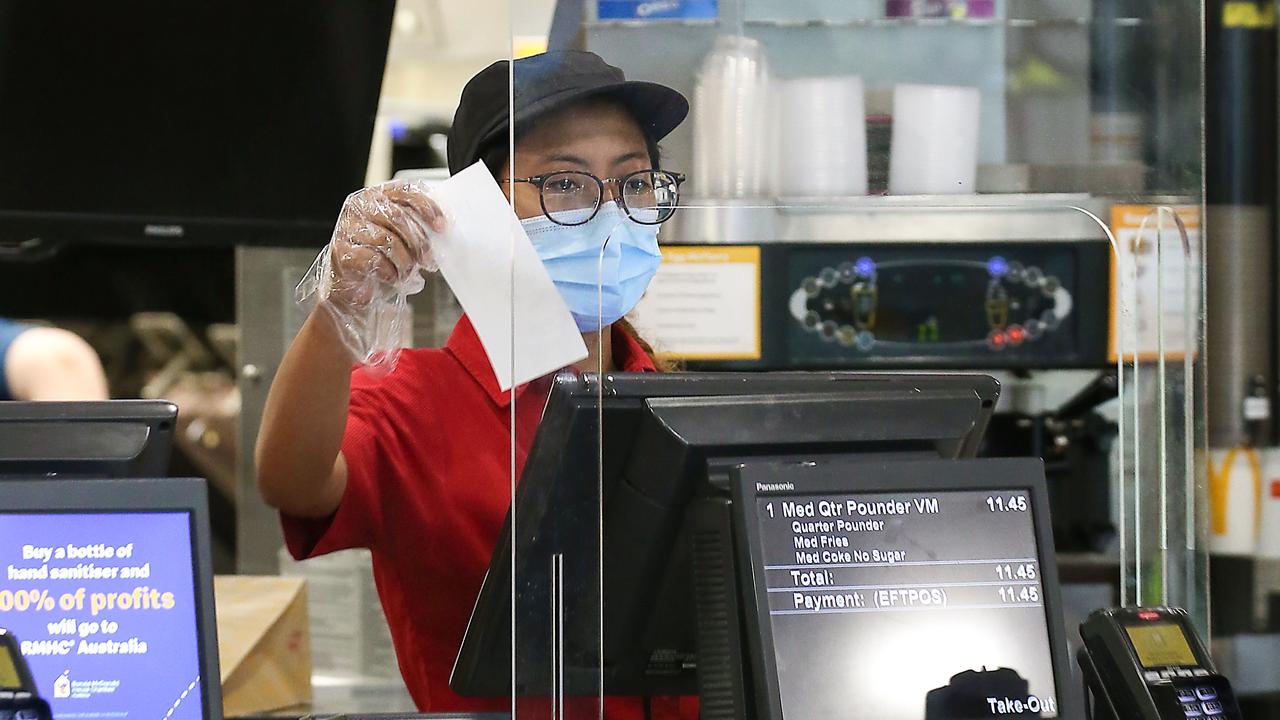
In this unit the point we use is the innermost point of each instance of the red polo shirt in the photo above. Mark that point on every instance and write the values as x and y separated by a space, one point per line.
428 488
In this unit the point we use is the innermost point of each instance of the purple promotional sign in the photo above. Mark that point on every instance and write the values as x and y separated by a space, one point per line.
958 9
104 606
657 9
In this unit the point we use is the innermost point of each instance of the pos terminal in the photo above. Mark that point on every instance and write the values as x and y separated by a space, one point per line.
794 545
1147 663
19 699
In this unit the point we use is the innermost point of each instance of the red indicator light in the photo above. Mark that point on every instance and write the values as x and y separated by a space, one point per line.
1148 615
1017 335
997 340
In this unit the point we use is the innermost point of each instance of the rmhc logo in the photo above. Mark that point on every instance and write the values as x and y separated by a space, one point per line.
62 686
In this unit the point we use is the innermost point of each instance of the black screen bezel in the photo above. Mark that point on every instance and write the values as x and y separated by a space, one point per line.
832 476
572 409
167 495
1125 618
74 437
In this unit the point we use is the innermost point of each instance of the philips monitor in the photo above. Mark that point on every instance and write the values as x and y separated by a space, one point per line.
105 439
667 439
109 586
902 590
185 123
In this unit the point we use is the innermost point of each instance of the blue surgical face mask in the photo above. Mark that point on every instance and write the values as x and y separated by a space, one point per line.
601 267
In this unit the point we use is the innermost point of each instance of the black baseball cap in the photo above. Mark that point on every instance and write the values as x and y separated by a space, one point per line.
547 82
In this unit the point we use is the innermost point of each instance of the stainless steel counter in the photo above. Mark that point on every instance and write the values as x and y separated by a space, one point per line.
924 219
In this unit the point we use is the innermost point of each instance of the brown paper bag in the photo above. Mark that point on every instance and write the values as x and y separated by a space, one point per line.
264 646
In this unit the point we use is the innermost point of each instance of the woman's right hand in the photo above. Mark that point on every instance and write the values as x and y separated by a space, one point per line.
361 280
380 242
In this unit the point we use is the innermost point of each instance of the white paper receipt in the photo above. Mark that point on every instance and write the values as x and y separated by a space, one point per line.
492 268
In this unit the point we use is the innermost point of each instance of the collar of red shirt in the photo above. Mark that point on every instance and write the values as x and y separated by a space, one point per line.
464 344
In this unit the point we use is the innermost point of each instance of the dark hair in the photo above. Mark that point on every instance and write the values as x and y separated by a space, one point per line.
494 155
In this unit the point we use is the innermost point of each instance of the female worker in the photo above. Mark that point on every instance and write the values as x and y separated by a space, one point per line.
415 466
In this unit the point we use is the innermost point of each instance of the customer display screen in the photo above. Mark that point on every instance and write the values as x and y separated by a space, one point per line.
9 678
103 605
1161 645
907 606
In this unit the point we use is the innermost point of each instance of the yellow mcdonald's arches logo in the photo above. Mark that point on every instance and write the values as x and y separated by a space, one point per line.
1219 488
1248 15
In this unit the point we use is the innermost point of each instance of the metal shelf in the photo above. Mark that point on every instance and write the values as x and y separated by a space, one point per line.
968 218
1012 23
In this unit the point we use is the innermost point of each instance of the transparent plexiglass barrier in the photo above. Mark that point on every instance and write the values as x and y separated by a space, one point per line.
796 183
1162 463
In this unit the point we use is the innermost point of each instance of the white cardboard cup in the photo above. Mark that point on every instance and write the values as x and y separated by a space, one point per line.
1269 530
1235 481
935 140
823 128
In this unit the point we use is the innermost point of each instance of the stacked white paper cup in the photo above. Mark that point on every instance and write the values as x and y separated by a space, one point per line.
935 140
1269 531
1235 484
732 121
823 134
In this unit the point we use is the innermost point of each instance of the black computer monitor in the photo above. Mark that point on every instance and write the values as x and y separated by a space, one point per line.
897 590
182 113
667 438
105 439
108 584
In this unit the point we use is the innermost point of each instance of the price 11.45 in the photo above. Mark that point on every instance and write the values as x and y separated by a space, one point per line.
1026 594
1023 571
1013 503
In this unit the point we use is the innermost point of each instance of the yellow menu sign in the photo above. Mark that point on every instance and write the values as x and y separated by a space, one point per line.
1155 282
704 303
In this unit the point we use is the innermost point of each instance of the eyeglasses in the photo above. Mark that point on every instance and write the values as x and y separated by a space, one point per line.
648 197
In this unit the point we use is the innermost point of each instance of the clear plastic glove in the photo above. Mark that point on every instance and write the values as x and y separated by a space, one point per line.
375 260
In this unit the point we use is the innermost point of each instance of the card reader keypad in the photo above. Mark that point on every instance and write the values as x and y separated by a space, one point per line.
1200 698
1200 701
